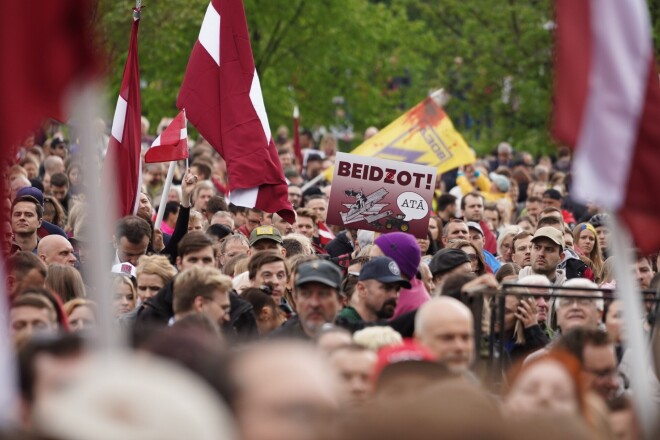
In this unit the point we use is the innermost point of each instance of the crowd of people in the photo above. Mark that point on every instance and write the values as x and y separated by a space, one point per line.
244 326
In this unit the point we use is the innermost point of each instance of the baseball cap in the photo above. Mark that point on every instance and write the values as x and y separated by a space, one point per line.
265 232
552 194
408 351
124 269
552 234
447 259
477 226
385 270
31 191
319 271
402 248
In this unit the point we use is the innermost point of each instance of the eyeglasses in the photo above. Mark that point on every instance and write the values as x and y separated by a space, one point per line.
472 257
581 302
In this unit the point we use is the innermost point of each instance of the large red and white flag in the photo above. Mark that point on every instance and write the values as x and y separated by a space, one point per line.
123 167
222 97
172 144
33 35
607 107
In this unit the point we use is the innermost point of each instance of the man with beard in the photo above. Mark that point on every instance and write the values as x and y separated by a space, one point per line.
376 292
547 252
318 300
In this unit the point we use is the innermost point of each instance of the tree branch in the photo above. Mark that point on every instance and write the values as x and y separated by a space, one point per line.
277 37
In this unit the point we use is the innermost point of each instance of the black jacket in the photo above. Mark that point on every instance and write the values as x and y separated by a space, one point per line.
158 310
292 329
242 325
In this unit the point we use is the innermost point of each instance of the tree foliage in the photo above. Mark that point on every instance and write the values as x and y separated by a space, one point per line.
381 56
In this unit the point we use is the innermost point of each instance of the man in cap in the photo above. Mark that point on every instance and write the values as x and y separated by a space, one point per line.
376 291
446 262
477 239
317 296
552 199
547 253
264 238
404 250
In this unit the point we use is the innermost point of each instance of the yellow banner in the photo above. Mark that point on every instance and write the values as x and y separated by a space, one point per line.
423 135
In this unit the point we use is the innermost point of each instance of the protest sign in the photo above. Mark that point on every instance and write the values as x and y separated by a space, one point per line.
381 195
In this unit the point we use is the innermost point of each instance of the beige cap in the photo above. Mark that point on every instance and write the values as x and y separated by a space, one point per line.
552 234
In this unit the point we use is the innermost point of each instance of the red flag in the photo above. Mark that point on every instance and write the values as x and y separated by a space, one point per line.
607 107
172 144
46 46
296 138
222 98
123 157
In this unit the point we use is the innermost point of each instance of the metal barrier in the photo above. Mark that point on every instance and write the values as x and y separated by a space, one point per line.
497 357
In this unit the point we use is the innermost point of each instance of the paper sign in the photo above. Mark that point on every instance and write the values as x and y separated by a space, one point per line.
381 195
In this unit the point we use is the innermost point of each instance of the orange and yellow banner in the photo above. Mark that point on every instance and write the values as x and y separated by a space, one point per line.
423 135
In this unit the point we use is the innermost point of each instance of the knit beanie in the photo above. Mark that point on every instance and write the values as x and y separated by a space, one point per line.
402 248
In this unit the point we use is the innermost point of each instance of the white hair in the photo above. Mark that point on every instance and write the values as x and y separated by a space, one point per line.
589 287
508 231
375 338
535 280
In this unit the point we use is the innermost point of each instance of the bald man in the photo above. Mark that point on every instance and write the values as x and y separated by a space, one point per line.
298 405
55 249
445 326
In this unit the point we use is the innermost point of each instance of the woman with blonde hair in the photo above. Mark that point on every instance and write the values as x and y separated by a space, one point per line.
81 313
124 296
152 273
585 241
505 243
65 282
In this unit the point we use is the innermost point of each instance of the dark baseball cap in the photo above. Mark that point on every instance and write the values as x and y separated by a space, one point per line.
552 194
265 232
447 259
31 191
385 270
319 271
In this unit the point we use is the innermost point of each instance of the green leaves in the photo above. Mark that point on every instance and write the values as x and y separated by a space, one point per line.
493 56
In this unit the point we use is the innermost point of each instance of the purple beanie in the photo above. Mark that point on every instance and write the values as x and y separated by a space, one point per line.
402 248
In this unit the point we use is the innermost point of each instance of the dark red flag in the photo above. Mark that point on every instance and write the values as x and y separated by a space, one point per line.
222 97
123 167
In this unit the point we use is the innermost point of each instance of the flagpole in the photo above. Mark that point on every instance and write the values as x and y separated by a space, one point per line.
163 197
628 292
296 137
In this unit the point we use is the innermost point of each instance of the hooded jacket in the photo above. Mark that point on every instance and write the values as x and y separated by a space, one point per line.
559 280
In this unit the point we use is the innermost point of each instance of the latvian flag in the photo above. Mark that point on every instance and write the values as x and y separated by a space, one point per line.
123 167
607 107
222 98
172 144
